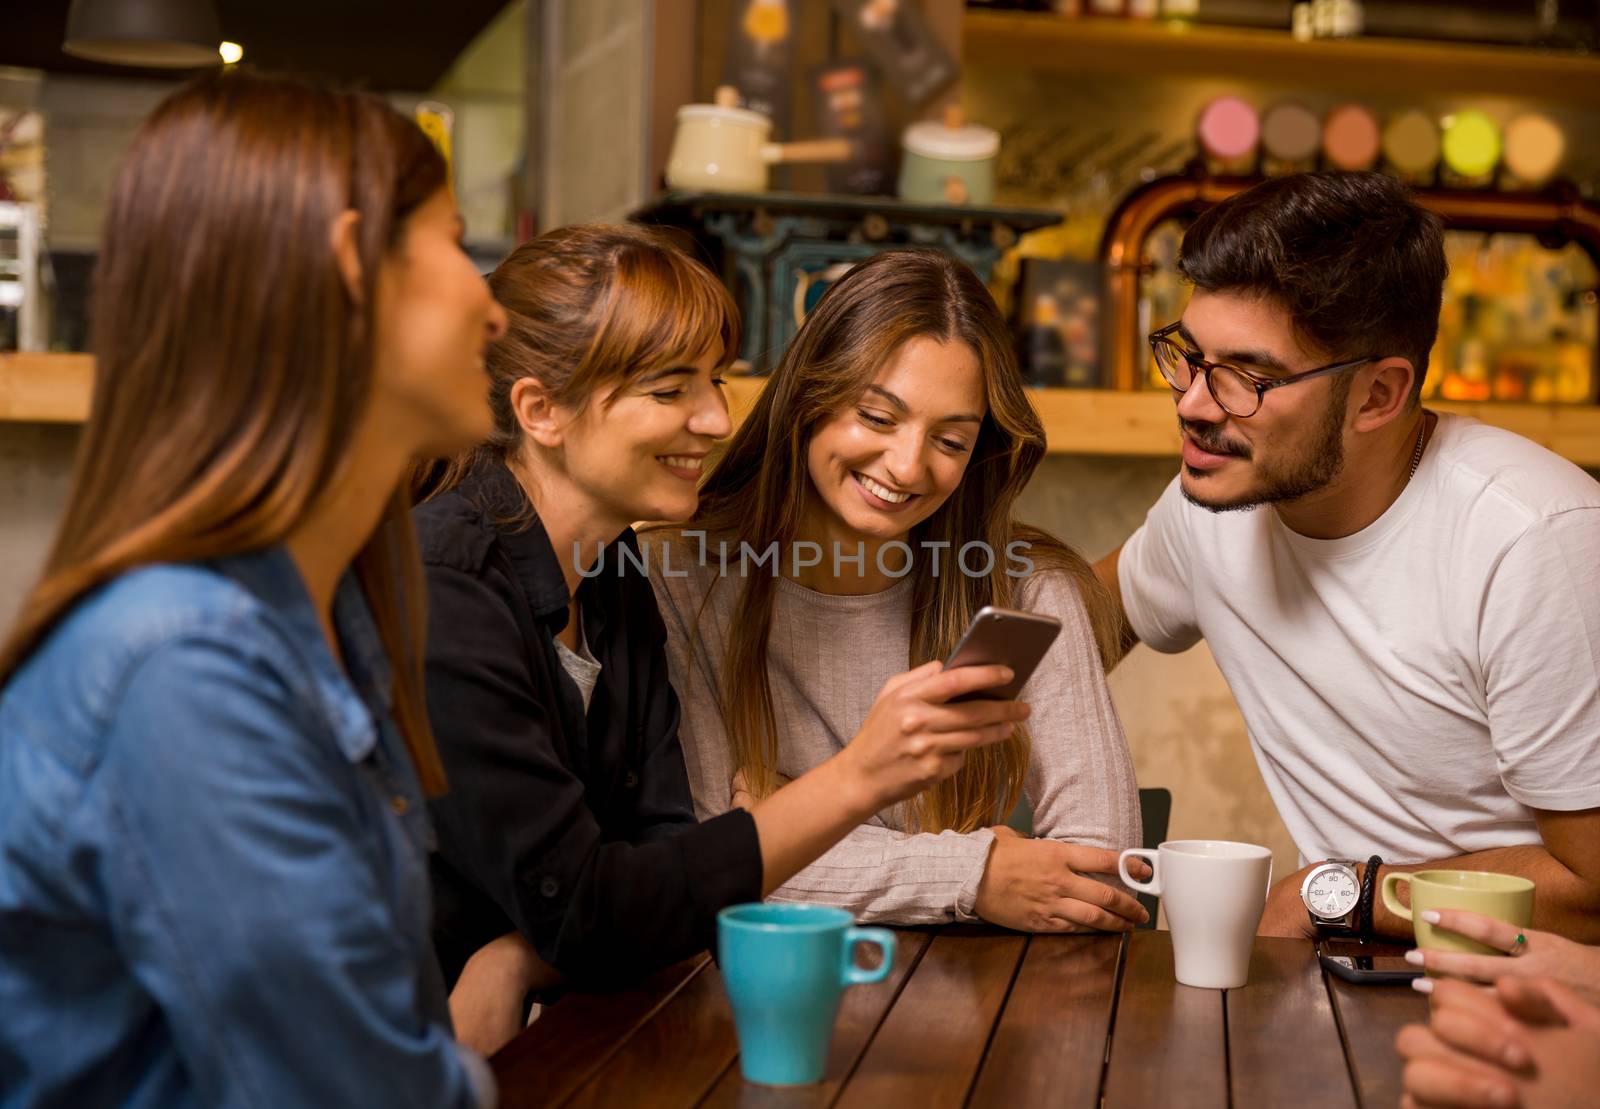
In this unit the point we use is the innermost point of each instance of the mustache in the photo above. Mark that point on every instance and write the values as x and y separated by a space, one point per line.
1209 438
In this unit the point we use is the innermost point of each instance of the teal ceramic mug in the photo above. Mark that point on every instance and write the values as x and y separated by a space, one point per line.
785 968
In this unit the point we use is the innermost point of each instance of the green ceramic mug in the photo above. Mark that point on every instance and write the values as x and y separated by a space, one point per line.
1502 896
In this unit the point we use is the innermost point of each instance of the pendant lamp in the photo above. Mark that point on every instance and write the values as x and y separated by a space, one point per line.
167 34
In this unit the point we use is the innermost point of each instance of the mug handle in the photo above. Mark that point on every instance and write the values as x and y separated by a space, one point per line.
1149 855
883 939
1390 901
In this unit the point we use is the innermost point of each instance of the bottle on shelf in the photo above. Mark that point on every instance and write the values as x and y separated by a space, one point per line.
1043 352
1303 21
1346 19
1468 379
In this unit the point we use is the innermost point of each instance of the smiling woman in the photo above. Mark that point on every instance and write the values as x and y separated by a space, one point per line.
568 847
881 465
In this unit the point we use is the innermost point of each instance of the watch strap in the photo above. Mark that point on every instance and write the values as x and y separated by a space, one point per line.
1369 894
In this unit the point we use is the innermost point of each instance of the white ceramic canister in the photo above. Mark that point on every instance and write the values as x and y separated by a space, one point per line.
948 162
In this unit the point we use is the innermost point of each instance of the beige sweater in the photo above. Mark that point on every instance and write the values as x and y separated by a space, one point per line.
828 657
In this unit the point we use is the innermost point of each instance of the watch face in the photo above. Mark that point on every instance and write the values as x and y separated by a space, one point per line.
1332 893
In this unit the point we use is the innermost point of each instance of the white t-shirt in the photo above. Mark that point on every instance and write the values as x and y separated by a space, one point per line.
581 666
1412 690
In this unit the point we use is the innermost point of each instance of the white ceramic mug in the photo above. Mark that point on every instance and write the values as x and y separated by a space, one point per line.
1214 892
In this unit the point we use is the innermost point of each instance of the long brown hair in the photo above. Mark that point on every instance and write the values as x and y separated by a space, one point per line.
230 361
589 306
757 491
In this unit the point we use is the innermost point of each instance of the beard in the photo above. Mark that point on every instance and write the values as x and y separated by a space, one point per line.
1314 467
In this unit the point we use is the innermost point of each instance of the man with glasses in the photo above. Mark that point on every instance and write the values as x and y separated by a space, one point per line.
1406 605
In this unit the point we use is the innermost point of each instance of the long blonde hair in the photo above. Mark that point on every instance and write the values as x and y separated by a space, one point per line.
230 362
757 491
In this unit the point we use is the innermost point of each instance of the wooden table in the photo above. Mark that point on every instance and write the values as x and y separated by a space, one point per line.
976 1016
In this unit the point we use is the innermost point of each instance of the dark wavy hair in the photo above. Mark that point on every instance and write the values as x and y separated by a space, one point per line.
1355 261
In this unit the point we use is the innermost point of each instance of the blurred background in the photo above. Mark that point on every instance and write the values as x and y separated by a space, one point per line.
1059 147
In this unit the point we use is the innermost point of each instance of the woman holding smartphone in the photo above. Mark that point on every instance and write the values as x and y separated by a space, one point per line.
568 848
213 747
881 466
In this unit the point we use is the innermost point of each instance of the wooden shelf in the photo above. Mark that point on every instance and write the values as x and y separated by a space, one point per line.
54 388
1107 422
46 388
1127 47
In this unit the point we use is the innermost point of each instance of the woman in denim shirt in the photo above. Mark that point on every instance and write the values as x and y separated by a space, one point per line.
213 746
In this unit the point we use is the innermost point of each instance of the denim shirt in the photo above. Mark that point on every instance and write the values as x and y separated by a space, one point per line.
213 877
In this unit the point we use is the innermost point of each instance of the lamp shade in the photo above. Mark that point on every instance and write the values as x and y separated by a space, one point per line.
169 34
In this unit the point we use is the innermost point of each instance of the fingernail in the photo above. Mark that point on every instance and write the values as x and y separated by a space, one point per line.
1414 957
1499 1095
1430 916
1515 1056
1422 985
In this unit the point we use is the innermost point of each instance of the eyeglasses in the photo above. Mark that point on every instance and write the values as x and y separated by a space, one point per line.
1237 392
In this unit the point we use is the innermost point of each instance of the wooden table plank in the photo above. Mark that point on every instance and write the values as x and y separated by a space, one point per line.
1050 1046
1369 1018
860 1015
573 1038
931 1044
674 1057
1167 1041
1286 992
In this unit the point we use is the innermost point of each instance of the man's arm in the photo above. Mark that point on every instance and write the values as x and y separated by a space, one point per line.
1566 870
1127 638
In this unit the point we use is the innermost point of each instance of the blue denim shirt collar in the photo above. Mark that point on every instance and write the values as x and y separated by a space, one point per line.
272 575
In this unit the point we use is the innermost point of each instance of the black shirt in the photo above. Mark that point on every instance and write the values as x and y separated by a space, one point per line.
577 831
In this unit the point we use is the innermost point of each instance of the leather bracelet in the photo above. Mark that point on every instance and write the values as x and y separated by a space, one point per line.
1369 892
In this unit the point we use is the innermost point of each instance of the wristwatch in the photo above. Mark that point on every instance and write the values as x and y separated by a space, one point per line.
1332 894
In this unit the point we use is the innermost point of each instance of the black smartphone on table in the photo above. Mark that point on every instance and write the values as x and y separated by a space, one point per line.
1005 637
1370 969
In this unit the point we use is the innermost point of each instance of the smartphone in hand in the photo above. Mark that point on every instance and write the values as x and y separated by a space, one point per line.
1007 637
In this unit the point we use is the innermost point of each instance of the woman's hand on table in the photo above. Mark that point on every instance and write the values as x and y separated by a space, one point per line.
1541 955
1528 1042
1038 885
486 1005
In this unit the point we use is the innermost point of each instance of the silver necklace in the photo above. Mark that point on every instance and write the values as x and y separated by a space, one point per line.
1416 455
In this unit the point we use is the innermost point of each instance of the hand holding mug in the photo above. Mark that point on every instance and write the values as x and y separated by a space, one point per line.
1041 885
1534 954
1505 897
